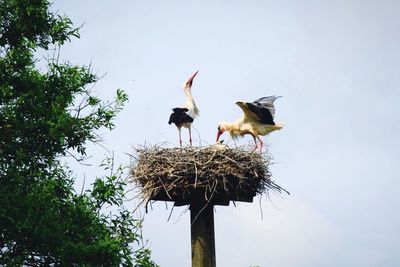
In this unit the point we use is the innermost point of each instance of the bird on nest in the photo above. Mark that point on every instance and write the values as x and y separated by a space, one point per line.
185 115
258 119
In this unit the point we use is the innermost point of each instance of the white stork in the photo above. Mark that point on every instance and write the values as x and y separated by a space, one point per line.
258 119
184 116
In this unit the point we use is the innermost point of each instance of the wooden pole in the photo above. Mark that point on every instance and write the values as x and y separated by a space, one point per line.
203 237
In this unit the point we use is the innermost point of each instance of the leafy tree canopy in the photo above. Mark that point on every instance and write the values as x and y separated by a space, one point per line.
45 115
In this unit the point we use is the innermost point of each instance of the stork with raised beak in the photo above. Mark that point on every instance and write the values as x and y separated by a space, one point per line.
185 115
258 119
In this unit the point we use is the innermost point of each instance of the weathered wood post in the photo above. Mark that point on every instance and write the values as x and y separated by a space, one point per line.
202 235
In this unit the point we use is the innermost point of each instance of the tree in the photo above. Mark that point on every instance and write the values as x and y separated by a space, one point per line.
45 115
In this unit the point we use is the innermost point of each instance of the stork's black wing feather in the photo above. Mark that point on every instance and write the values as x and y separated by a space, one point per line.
180 116
268 103
180 110
263 114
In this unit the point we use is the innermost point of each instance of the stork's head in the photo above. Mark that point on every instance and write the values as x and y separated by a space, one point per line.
189 82
222 127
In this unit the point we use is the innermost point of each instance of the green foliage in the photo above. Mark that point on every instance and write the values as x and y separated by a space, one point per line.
31 24
45 115
111 189
143 259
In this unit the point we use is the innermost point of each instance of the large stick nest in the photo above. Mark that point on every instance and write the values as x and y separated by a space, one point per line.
215 174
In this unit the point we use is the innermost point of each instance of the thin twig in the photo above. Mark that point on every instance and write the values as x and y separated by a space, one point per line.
208 202
169 217
83 185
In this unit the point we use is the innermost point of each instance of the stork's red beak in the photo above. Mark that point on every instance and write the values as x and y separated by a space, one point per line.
219 134
190 81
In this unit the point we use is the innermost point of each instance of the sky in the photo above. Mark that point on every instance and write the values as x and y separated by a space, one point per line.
336 65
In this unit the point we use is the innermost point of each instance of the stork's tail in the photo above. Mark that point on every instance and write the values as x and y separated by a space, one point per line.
279 126
196 111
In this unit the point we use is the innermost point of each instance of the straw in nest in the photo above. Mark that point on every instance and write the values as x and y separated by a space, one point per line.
215 174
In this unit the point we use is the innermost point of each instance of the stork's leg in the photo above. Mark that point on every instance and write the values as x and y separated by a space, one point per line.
255 147
190 135
180 136
261 143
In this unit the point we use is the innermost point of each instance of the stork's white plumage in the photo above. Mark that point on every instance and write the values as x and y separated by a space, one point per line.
184 116
258 119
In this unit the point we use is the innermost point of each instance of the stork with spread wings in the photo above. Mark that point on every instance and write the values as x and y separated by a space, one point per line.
258 119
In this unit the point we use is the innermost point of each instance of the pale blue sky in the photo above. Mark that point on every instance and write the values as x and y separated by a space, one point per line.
336 64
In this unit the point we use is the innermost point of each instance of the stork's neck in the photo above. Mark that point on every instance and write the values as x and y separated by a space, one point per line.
188 93
233 128
190 104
